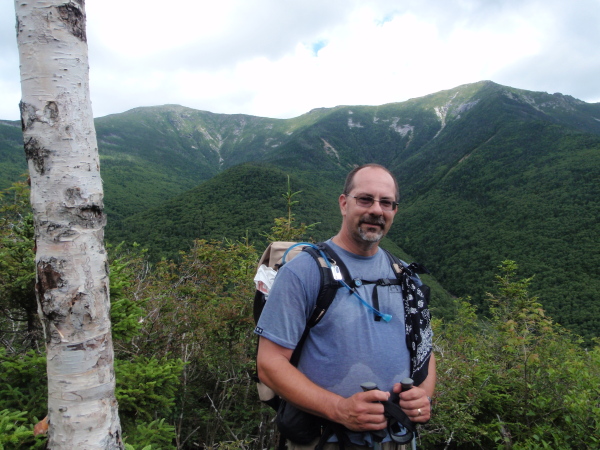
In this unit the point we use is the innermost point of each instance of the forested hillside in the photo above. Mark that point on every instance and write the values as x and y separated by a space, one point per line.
12 158
184 355
487 173
239 204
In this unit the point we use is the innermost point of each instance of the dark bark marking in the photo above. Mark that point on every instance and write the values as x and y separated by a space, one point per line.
93 343
79 311
51 112
92 212
75 347
48 278
74 18
51 227
34 151
89 215
28 115
73 194
37 154
66 236
92 216
77 299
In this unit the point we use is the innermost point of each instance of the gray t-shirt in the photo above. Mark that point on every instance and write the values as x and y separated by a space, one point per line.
348 347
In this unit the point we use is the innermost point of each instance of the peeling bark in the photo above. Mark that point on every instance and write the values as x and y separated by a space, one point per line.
72 286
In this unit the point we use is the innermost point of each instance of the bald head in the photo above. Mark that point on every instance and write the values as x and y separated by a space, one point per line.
349 184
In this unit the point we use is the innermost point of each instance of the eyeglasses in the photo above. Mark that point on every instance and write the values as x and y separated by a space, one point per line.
367 202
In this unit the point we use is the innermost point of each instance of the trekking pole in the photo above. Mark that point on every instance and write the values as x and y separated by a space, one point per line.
407 383
380 434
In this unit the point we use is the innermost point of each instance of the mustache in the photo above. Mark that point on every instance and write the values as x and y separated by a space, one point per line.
372 221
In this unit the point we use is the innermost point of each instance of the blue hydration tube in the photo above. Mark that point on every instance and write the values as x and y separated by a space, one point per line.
384 317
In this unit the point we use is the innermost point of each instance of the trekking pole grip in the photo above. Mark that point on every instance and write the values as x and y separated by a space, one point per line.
406 383
368 386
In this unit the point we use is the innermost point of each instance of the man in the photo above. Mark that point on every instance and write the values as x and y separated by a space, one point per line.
349 346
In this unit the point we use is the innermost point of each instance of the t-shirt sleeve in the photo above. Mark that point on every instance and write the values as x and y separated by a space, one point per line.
290 302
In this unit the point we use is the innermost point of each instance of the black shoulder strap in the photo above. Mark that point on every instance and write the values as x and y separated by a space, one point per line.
329 285
399 268
327 290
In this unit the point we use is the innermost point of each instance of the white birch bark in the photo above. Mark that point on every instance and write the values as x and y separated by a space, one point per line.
67 199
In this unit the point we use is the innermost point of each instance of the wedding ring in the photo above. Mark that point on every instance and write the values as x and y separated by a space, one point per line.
419 411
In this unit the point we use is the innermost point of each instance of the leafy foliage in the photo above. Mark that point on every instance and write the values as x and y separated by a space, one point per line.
20 328
126 310
23 384
15 434
199 310
517 381
155 435
146 385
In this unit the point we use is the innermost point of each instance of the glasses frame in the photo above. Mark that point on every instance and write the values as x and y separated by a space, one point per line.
371 200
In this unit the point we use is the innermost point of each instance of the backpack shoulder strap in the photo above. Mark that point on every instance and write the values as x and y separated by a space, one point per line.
329 285
325 257
401 267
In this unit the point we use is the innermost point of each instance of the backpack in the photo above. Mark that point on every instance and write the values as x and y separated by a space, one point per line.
275 256
334 275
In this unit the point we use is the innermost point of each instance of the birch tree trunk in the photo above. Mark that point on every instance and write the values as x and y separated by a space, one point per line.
72 284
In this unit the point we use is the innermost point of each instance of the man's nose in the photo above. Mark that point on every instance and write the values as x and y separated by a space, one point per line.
375 208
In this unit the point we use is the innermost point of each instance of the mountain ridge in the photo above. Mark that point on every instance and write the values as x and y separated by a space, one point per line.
487 173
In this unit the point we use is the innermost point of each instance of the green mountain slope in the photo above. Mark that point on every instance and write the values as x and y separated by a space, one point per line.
239 203
164 151
536 201
12 156
487 173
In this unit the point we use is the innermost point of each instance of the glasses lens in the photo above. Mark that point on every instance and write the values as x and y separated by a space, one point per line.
388 205
364 201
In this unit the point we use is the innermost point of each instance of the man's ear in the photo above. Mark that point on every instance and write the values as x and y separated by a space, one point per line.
343 201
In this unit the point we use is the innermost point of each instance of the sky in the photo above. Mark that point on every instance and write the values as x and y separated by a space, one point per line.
283 58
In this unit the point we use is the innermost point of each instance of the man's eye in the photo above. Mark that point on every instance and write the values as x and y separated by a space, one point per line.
365 200
385 203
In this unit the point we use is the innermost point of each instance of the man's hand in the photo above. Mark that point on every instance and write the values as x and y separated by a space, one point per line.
362 411
414 403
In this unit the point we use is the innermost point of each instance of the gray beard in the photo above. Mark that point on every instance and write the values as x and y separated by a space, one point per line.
370 236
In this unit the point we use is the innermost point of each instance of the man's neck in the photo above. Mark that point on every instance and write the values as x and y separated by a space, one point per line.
362 248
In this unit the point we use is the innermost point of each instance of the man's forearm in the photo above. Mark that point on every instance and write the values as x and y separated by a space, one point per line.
428 385
275 370
360 412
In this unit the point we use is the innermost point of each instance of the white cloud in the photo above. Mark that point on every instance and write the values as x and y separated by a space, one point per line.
282 59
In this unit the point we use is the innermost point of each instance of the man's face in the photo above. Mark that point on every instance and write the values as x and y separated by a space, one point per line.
368 224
